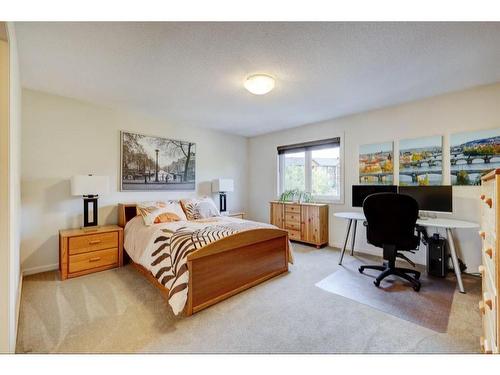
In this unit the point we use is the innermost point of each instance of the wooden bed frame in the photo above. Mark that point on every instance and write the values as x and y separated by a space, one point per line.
227 266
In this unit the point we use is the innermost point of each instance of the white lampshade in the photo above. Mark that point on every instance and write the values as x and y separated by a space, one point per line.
89 185
222 185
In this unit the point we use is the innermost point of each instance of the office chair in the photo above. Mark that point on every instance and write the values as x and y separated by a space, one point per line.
390 224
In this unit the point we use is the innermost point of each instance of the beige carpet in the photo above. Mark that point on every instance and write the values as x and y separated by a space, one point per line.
119 311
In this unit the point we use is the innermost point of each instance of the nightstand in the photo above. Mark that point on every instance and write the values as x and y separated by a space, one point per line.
84 251
239 215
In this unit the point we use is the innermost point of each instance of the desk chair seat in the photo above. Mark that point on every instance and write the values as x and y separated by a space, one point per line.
390 224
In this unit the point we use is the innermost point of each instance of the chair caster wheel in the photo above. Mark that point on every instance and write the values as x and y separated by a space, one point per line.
416 288
377 283
361 269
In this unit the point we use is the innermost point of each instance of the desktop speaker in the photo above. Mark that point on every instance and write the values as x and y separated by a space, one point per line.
437 256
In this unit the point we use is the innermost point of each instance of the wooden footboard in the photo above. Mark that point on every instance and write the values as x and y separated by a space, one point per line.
233 264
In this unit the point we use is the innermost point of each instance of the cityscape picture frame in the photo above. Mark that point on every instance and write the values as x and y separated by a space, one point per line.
152 163
376 163
472 155
421 161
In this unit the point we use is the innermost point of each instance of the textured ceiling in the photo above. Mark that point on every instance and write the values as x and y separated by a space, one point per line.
193 73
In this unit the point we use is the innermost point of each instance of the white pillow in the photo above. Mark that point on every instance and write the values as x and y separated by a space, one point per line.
199 208
154 212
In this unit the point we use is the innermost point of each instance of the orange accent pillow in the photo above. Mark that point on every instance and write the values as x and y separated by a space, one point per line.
166 217
151 210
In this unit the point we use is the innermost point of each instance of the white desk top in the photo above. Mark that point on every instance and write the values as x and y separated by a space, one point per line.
439 222
350 215
428 222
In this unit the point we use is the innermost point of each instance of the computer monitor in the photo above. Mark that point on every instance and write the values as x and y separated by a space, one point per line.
360 192
431 198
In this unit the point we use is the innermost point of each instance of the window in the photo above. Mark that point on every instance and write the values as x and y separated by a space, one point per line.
312 167
294 170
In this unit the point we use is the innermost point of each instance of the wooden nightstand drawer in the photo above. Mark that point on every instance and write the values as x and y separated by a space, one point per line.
93 242
84 251
94 259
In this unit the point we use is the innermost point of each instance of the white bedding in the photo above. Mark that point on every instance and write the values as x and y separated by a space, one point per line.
139 238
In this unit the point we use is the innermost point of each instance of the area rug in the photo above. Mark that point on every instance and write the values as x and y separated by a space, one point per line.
429 308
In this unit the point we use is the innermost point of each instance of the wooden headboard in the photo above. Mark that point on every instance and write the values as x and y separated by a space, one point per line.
126 212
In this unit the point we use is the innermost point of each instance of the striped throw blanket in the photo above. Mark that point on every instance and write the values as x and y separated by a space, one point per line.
168 259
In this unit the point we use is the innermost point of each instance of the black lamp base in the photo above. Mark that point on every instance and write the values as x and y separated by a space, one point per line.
87 201
222 202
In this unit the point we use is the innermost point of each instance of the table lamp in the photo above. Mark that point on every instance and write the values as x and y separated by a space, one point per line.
222 186
89 186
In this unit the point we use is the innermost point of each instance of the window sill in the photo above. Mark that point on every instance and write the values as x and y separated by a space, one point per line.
328 201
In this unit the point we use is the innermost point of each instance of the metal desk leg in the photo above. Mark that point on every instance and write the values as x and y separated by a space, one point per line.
345 242
454 259
353 240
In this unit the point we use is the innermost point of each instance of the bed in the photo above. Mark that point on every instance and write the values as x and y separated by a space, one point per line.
239 256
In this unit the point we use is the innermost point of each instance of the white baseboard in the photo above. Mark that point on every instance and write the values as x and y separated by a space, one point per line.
39 269
18 306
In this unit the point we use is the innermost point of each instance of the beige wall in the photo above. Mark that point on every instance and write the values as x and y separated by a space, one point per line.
63 137
10 164
461 111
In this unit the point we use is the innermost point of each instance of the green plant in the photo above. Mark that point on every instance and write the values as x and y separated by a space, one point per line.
286 196
295 195
305 197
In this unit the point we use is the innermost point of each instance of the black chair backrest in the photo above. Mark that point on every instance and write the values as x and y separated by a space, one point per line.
391 219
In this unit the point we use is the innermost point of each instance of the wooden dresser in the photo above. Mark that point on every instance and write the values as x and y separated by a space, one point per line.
490 229
305 222
86 251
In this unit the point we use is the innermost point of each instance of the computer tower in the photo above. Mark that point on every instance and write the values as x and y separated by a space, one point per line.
437 256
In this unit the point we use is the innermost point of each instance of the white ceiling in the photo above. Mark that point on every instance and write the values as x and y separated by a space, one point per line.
193 73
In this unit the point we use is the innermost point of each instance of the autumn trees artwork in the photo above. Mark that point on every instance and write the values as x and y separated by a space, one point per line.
376 166
156 163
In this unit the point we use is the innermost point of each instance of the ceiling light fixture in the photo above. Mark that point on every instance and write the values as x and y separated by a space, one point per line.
259 84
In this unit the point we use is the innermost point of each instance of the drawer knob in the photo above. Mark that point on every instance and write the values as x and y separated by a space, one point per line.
481 270
482 197
95 259
482 234
489 202
94 242
489 252
488 301
481 307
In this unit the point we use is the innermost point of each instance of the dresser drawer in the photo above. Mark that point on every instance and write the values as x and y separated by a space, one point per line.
489 262
489 327
292 208
94 259
294 235
292 225
93 242
488 219
292 217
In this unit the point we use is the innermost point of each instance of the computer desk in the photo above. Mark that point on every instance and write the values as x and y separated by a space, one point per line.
447 224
